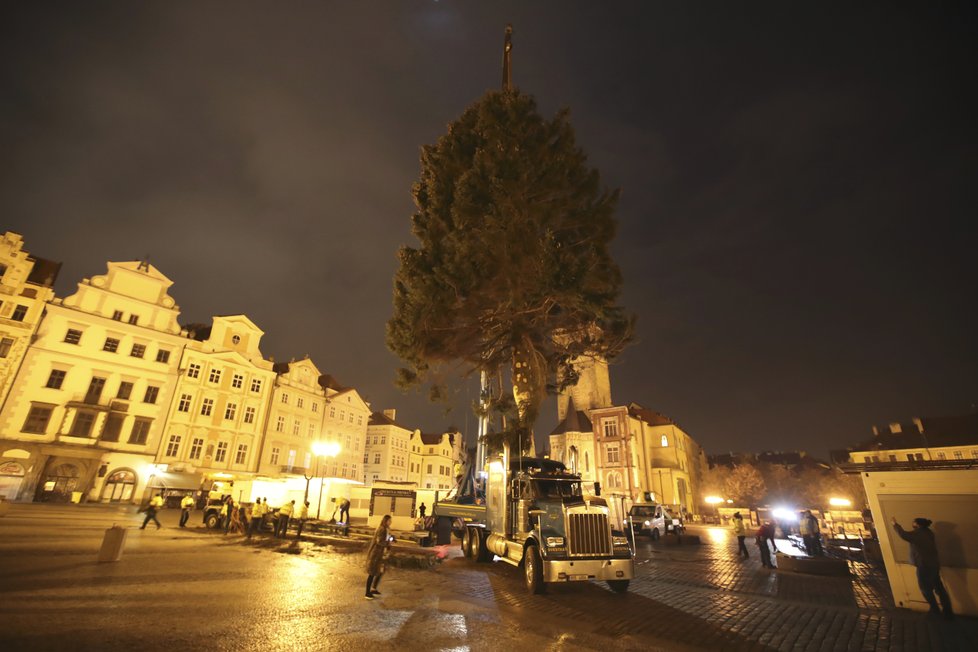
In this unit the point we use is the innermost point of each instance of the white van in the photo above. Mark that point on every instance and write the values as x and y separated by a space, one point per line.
653 520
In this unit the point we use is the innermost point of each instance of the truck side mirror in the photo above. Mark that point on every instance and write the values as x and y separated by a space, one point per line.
597 488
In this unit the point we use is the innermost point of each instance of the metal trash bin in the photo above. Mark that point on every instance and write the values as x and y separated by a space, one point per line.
112 544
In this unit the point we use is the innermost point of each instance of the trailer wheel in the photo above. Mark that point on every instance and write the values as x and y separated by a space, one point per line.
533 570
618 586
467 543
478 549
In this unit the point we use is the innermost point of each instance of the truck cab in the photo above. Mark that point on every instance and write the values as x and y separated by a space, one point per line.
537 517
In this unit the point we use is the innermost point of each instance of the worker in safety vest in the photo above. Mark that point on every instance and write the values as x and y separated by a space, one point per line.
257 516
284 514
186 505
155 503
302 515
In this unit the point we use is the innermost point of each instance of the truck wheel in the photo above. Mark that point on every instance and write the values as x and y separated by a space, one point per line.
458 528
655 534
211 521
533 569
618 586
478 548
467 543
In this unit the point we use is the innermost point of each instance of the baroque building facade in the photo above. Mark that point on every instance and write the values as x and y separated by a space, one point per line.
625 451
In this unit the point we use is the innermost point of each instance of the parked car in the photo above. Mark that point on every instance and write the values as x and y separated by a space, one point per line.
653 521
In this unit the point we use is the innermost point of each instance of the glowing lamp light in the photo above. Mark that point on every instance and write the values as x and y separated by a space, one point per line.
713 500
326 449
840 502
783 514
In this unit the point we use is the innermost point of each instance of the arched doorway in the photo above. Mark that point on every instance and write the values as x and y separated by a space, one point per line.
572 459
58 484
11 476
119 486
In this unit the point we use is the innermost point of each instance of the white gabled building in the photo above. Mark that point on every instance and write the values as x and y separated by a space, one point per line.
387 453
88 404
435 459
219 407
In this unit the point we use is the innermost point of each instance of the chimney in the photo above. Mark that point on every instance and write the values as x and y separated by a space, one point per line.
896 428
390 413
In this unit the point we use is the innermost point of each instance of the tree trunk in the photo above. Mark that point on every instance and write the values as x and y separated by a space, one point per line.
529 385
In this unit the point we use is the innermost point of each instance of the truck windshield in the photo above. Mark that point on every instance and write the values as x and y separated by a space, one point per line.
642 511
557 488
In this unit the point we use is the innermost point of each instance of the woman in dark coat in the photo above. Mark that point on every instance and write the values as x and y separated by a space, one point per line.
923 555
377 554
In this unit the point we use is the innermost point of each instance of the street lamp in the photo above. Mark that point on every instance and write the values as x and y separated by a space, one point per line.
321 450
715 501
840 502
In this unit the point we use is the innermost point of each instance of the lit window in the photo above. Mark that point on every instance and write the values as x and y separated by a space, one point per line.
665 441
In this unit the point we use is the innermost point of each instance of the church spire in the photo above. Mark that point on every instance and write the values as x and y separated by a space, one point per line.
507 60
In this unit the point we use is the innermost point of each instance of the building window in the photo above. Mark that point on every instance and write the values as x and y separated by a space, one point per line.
184 404
614 456
942 456
82 427
125 390
351 417
173 446
958 455
19 313
280 424
215 376
138 350
113 427
249 415
314 406
229 411
133 319
94 392
206 407
285 397
37 419
274 457
5 345
73 336
298 401
151 394
312 431
55 380
140 431
429 469
237 380
256 385
295 427
196 447
117 315
610 427
222 451
665 441
360 420
111 345
163 356
242 454
332 412
376 458
193 371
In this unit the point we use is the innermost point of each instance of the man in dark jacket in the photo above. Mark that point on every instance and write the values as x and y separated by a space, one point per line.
923 555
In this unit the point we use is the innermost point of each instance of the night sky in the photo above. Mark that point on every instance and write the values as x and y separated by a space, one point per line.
797 230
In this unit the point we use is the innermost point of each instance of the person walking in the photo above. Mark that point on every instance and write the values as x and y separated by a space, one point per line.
816 534
377 554
344 511
302 516
284 515
923 555
155 503
229 512
740 531
422 510
186 506
764 534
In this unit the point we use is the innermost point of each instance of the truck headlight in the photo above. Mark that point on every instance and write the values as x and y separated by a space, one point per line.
553 542
648 523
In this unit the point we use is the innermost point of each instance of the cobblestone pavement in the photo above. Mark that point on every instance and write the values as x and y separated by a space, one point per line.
198 589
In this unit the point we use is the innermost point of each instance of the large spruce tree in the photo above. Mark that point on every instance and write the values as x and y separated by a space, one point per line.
513 269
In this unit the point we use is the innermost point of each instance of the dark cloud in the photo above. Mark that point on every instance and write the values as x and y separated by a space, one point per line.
796 223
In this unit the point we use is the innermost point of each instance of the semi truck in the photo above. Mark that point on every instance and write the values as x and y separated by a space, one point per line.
532 514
